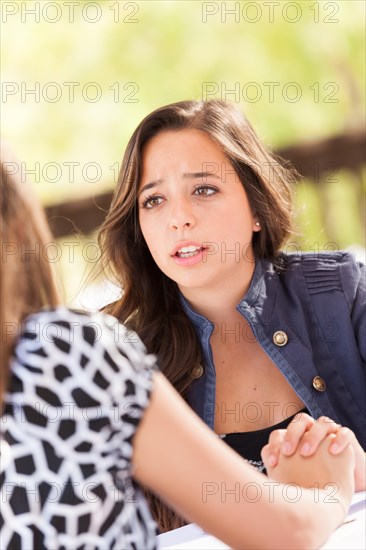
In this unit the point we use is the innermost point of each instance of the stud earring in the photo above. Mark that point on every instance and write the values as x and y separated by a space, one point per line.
257 224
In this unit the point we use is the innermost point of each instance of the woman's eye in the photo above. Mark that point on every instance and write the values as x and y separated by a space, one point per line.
205 191
152 201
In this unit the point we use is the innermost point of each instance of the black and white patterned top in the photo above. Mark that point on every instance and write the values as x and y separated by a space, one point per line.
79 387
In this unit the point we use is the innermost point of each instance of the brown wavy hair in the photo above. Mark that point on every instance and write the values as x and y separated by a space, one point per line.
27 277
150 302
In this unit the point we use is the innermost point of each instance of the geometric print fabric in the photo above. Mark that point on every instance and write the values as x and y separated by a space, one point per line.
79 385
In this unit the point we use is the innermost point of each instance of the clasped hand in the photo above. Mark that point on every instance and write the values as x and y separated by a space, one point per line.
306 436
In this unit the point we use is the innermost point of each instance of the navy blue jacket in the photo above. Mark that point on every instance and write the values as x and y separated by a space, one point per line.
319 301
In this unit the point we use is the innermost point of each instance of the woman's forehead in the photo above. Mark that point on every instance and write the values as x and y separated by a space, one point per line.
172 145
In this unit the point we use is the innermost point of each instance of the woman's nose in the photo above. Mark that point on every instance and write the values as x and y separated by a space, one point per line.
181 216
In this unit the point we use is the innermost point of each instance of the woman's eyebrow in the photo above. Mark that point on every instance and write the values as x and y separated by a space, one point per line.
152 184
186 175
199 175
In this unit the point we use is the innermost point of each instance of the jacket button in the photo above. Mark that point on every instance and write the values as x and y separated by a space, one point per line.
280 338
319 384
197 371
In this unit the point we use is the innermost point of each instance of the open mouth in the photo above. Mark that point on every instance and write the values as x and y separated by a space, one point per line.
189 251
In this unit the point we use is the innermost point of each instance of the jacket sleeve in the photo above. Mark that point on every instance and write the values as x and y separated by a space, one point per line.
353 277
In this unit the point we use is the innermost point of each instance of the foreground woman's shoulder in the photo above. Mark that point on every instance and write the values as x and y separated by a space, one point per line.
72 331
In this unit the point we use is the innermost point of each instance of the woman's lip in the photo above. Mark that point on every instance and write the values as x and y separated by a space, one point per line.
183 244
190 260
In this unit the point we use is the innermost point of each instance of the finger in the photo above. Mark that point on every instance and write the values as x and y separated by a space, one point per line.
265 455
320 429
295 430
343 437
272 449
269 460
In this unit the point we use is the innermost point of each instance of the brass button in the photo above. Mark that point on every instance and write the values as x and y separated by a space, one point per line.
319 384
197 371
280 338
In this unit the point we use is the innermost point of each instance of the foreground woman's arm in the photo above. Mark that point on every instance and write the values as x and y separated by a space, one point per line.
179 458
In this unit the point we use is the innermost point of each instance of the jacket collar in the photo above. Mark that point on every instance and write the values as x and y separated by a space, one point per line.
256 297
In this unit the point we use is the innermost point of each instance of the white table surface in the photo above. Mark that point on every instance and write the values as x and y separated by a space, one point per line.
350 535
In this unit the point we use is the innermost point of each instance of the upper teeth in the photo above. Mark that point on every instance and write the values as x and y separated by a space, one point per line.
189 248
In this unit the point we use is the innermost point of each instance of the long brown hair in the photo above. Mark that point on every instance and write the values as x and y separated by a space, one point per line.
150 302
27 278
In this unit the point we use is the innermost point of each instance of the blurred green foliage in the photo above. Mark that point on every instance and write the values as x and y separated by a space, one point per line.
126 58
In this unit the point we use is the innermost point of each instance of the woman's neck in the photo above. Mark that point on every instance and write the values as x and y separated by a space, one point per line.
219 304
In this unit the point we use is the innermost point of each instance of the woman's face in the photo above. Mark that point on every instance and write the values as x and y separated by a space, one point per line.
194 212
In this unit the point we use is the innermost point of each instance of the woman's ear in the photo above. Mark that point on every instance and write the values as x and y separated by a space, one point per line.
256 224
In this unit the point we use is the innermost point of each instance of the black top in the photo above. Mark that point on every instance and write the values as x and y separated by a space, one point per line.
249 444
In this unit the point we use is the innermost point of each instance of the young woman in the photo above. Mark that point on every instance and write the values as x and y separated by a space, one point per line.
247 334
86 417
